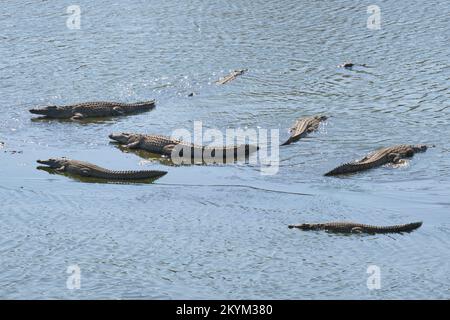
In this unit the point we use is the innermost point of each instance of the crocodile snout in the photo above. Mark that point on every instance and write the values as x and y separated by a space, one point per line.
39 111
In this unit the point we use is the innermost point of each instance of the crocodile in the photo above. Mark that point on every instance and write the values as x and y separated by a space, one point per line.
351 227
93 110
349 65
164 145
393 154
303 126
86 169
231 76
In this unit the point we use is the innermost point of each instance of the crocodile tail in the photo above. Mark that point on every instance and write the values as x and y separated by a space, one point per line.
134 175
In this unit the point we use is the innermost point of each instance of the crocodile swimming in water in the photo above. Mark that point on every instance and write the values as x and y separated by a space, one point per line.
351 227
231 76
394 154
93 110
303 126
86 169
164 145
350 65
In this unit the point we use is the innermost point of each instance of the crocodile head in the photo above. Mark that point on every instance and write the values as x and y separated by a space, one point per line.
53 163
53 112
124 137
240 71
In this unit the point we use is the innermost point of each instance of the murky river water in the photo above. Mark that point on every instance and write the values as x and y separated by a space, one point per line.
221 231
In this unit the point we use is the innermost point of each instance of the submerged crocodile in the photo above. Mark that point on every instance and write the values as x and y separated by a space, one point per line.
231 76
346 65
93 109
86 169
303 126
164 145
394 154
351 227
